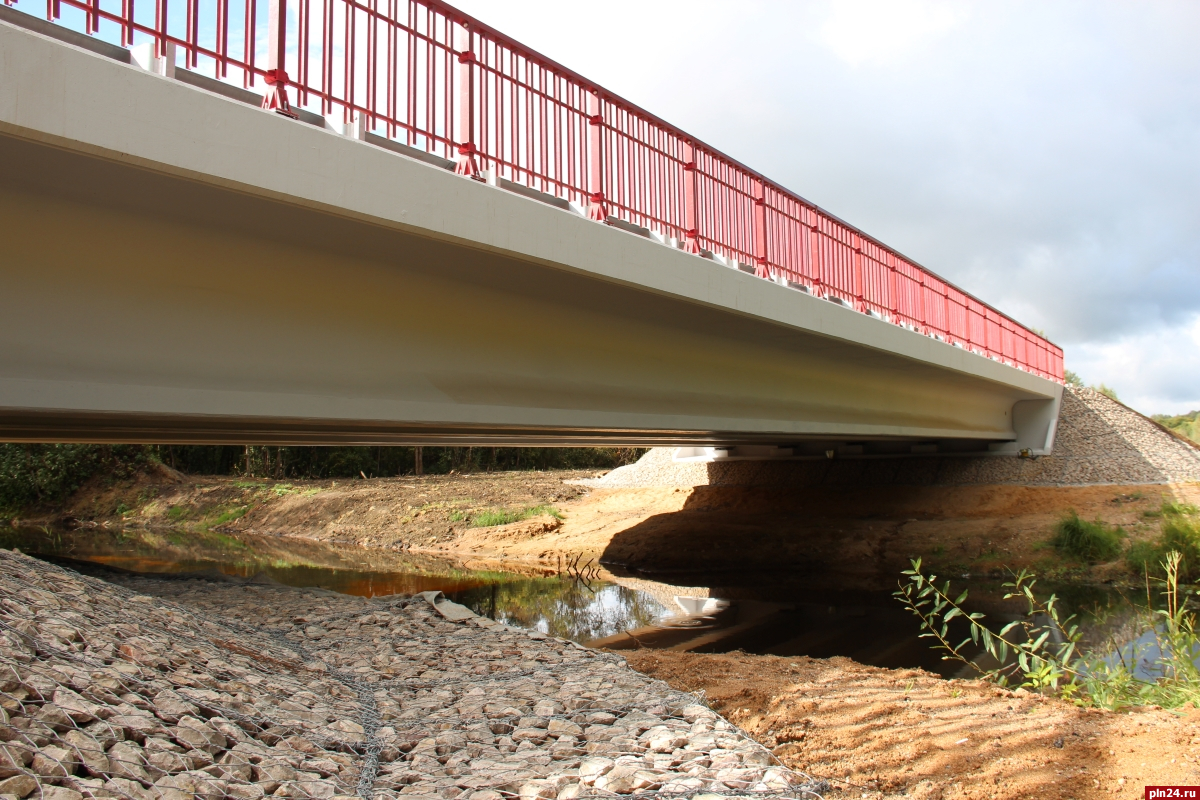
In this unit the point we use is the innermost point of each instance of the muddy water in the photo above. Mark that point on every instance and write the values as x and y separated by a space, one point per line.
782 614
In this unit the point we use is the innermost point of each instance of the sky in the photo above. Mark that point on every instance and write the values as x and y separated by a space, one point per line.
1044 156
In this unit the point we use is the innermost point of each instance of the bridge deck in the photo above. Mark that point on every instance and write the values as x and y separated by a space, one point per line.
181 266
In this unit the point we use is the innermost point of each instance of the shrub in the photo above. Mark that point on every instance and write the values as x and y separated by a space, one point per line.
1180 533
44 474
1087 541
1040 649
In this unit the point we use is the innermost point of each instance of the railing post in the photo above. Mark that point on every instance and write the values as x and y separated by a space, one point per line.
860 304
465 133
276 98
762 266
893 300
691 215
597 202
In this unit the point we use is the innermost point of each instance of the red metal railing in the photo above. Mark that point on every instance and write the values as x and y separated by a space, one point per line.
423 73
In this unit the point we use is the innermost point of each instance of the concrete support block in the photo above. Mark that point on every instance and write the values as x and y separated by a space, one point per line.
143 56
355 129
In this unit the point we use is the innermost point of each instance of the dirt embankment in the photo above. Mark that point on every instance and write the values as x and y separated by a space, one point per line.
906 732
857 532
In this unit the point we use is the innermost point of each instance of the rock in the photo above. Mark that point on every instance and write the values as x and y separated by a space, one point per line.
536 735
166 762
60 793
696 712
538 790
624 779
558 727
79 710
123 787
347 731
53 717
229 730
592 768
53 762
19 785
128 760
135 726
271 774
14 757
170 706
246 791
87 751
196 734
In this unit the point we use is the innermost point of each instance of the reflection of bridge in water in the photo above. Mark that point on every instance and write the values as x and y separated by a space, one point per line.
448 238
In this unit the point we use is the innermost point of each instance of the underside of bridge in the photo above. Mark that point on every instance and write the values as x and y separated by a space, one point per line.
181 267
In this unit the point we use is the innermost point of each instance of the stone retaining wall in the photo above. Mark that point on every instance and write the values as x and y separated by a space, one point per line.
180 689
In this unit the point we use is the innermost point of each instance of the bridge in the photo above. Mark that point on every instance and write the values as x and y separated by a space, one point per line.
384 222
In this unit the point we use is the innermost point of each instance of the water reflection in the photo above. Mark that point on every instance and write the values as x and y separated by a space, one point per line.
566 607
785 614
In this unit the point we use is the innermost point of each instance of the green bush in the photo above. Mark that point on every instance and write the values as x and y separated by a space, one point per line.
1180 533
44 474
1040 648
1087 541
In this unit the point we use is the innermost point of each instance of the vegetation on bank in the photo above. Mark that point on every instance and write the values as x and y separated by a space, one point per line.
1154 664
1097 542
1184 424
43 475
1091 542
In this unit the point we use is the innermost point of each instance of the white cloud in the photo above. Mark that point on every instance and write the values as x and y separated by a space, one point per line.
1153 371
880 31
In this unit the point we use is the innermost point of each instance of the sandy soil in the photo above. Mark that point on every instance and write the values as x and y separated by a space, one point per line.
877 732
978 530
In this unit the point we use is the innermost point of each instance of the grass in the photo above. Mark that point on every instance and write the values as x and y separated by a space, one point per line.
228 516
1180 533
177 513
1087 541
504 516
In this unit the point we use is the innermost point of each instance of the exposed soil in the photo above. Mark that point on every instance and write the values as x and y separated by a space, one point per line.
396 513
859 533
907 732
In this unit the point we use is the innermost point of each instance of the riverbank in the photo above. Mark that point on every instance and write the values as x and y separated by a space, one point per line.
863 534
187 688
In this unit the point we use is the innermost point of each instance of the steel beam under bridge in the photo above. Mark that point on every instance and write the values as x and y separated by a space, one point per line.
181 267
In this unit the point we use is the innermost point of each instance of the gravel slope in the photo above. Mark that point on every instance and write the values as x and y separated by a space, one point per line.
189 689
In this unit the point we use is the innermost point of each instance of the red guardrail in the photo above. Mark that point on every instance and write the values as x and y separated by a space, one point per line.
425 74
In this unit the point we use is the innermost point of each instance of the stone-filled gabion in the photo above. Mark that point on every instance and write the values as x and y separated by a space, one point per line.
184 689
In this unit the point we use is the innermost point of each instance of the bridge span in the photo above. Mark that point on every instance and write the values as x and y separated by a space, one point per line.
182 265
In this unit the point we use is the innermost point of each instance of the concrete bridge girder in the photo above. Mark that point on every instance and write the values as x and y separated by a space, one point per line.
180 266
